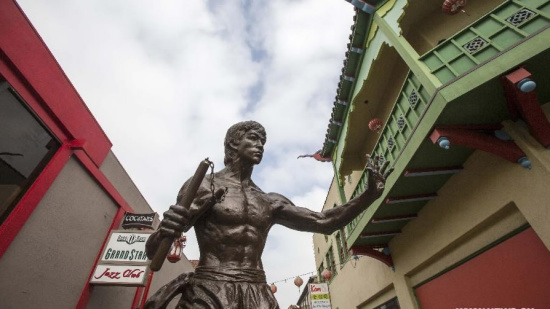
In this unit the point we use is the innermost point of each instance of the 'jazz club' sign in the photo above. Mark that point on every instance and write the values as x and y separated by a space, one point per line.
123 260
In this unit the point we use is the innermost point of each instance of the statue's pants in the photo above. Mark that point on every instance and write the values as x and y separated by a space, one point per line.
217 288
226 288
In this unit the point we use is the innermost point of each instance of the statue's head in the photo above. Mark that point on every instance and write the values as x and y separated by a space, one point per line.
234 136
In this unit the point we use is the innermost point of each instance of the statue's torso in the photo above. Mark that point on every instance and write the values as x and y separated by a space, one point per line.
234 231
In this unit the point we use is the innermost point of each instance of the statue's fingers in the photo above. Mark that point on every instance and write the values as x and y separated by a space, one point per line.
384 167
376 161
370 164
388 173
170 229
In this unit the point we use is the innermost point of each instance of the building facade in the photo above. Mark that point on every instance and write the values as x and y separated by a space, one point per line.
62 190
454 95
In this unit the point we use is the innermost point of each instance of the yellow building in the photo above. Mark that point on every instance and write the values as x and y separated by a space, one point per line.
454 95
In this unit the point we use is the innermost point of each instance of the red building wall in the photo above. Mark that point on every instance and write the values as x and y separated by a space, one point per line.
513 274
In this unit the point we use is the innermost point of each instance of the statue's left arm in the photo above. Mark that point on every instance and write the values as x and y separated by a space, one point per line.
327 221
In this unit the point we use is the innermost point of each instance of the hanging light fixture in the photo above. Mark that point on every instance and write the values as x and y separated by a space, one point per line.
375 125
354 259
451 7
273 288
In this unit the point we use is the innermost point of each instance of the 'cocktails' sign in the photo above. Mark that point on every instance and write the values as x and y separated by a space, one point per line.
137 221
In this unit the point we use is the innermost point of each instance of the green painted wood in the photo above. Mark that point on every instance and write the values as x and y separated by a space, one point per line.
473 98
408 54
423 128
413 100
505 26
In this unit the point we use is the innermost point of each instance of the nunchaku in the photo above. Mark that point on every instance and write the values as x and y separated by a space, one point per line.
186 200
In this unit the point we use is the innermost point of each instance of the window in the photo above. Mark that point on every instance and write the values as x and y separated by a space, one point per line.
25 149
331 263
342 247
390 304
319 271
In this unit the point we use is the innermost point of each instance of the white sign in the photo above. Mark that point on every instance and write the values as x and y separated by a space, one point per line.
319 296
120 274
126 247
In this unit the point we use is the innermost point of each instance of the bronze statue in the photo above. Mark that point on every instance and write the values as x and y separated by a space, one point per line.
232 233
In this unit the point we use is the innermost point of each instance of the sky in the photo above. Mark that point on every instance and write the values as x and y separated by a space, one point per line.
165 79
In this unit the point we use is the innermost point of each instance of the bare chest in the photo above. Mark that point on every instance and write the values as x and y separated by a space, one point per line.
248 206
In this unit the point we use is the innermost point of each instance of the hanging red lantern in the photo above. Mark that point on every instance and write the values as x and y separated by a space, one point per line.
326 274
298 282
177 249
451 7
273 288
375 125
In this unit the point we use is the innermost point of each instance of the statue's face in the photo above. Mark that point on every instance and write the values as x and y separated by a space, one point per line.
251 147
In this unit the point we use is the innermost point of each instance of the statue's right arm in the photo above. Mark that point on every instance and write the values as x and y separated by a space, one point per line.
178 218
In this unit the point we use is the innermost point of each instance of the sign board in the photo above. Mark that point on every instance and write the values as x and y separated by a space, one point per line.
126 247
319 296
133 275
137 221
123 260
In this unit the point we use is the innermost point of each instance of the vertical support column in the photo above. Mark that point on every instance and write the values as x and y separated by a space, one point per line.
405 293
533 206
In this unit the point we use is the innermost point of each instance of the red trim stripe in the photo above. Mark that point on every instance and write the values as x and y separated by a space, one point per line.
102 180
15 221
87 290
32 62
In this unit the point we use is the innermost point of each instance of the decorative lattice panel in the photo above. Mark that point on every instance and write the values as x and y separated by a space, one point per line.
505 26
475 45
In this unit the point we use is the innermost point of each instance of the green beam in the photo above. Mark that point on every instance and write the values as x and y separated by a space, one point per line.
409 55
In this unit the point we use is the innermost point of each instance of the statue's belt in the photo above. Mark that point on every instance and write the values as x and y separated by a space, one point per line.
251 275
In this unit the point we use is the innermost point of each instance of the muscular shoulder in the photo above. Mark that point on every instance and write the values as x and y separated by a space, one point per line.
203 190
278 200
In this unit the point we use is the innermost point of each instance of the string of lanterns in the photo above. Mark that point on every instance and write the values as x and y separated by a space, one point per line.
326 274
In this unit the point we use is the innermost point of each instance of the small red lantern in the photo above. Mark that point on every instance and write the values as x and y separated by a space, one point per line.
298 282
273 288
375 125
451 7
326 274
177 249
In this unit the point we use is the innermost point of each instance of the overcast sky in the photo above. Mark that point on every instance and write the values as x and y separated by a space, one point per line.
165 79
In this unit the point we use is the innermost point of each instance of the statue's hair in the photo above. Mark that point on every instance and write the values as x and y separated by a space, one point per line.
234 135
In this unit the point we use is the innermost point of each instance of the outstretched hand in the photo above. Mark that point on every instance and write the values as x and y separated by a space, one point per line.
377 175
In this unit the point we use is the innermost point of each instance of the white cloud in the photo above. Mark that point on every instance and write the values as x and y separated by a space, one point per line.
165 81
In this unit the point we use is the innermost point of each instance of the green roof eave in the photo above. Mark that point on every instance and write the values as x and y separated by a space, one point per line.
352 64
347 80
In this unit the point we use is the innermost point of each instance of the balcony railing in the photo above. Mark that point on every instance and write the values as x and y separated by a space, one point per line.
505 26
404 117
